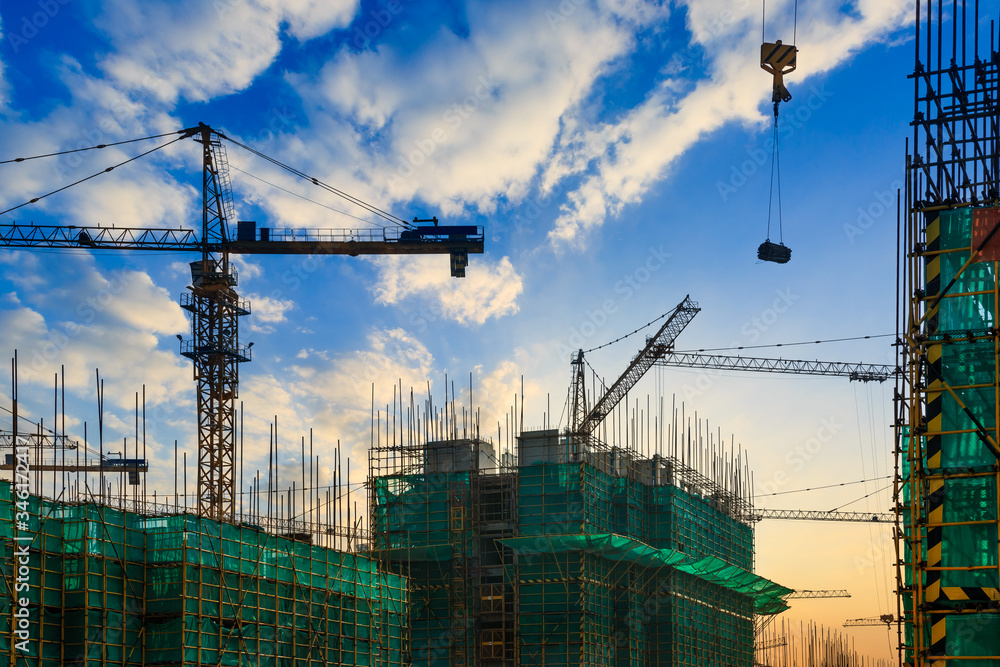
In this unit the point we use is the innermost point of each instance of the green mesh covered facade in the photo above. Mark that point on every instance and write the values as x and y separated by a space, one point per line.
603 560
109 587
951 590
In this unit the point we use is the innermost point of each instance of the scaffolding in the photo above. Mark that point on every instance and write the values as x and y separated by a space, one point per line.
947 422
559 550
108 586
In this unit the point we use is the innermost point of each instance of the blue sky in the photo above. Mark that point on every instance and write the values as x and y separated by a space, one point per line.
616 151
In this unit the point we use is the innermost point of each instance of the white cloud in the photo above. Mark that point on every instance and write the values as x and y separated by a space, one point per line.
334 395
333 392
197 51
269 311
466 119
488 290
629 156
84 319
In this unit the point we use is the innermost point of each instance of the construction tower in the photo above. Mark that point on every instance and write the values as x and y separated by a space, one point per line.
947 423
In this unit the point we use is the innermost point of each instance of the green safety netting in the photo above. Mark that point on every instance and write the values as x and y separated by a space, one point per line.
968 367
766 594
109 586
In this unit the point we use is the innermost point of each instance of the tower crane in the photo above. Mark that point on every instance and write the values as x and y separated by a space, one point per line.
584 421
860 372
212 299
659 351
818 515
884 619
40 439
809 595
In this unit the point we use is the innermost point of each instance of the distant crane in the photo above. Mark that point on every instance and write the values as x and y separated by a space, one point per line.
807 595
860 372
884 619
584 421
39 439
659 351
819 515
212 300
774 642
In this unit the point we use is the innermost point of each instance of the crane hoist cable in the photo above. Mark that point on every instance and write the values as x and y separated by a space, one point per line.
777 59
775 183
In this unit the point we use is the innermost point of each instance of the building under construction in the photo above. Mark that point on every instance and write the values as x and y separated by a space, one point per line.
568 552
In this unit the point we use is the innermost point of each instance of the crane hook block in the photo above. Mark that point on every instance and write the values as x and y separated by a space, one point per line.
778 59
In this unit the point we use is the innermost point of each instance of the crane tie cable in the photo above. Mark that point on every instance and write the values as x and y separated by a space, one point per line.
884 488
103 171
828 486
806 342
620 338
295 194
315 181
90 148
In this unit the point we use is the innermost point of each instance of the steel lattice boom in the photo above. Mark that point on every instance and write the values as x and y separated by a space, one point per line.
884 619
656 347
808 595
818 515
860 371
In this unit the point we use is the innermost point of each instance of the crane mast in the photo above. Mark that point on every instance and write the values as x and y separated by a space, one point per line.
215 349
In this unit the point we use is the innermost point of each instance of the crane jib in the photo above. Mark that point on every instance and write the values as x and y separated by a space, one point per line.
251 240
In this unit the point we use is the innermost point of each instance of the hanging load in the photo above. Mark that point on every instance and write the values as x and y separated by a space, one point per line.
774 252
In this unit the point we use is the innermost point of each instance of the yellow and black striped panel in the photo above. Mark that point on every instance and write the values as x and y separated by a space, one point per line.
970 593
778 56
937 646
935 515
935 488
932 268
